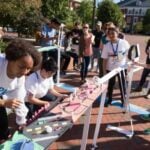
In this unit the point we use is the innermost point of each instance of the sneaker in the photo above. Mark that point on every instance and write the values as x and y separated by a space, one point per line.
76 68
147 131
145 117
147 96
83 81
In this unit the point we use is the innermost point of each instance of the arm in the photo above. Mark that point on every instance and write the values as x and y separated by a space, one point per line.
101 45
10 103
57 94
92 39
48 38
34 100
105 57
142 65
147 47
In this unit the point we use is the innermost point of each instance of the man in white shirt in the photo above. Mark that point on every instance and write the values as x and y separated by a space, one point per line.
114 55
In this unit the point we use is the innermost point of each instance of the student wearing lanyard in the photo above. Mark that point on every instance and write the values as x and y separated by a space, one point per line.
104 40
114 55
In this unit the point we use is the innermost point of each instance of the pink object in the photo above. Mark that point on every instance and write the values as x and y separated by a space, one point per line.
33 116
71 107
35 113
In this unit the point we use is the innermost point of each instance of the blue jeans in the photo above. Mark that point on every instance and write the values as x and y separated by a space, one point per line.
84 67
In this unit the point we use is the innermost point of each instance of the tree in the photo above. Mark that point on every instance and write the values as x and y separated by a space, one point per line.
146 22
26 23
138 27
109 11
53 8
58 9
20 15
12 10
7 12
85 10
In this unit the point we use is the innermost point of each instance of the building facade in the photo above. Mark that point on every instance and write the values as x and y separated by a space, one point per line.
73 4
134 11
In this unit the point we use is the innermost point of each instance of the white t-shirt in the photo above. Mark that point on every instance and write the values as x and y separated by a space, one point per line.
14 89
37 85
120 49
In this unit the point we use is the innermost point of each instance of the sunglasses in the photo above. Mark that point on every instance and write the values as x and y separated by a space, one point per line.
85 27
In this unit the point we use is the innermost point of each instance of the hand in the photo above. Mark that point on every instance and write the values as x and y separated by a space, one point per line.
12 103
21 127
65 96
135 62
46 103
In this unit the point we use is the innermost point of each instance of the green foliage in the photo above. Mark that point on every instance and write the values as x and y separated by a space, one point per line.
27 22
71 19
85 11
58 9
53 8
3 45
146 29
146 19
109 11
8 11
146 22
138 27
19 15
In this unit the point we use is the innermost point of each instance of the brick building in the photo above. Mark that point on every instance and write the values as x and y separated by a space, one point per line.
134 11
73 4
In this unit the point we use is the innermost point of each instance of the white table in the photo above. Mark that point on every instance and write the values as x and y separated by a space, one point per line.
133 70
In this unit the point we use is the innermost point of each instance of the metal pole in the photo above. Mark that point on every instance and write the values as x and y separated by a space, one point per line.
58 59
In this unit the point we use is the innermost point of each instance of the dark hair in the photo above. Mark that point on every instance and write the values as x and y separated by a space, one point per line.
19 48
133 52
112 29
49 65
56 21
148 44
77 23
68 34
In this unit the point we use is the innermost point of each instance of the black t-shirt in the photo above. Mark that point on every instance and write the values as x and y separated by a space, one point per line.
97 39
76 35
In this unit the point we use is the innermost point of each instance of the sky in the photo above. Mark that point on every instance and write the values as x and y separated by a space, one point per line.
116 1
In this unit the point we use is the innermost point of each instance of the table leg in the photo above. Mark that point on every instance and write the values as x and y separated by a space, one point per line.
86 128
99 120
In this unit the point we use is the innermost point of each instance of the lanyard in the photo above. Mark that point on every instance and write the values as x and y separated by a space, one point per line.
115 50
2 91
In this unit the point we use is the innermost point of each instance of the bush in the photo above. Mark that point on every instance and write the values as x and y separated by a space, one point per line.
3 45
146 29
138 27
